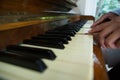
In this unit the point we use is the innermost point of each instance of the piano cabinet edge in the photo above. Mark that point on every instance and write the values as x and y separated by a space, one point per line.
14 33
100 72
17 35
81 17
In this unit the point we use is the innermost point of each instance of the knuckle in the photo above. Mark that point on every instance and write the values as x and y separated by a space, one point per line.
108 42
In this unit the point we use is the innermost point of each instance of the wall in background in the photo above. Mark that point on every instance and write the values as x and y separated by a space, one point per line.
86 7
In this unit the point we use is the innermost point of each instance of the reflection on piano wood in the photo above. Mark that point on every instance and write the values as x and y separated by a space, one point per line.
37 45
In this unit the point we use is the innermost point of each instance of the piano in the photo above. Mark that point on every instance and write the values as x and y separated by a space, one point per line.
41 40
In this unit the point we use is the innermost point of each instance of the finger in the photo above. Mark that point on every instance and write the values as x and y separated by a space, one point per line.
102 41
103 34
118 43
111 40
99 21
95 29
106 31
99 27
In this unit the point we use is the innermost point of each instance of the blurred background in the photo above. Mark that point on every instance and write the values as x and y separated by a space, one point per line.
95 8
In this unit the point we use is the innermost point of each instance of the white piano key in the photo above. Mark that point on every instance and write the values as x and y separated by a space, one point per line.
73 57
12 72
86 27
79 47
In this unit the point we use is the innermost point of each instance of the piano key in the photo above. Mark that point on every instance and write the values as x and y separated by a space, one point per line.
72 49
46 40
60 38
67 28
61 32
59 35
23 61
73 57
72 31
64 30
16 71
64 40
49 43
85 27
56 35
27 51
73 26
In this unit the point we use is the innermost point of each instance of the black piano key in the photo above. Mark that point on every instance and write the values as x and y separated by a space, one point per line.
67 37
44 43
64 29
61 32
76 25
59 35
70 28
29 51
72 31
23 61
64 40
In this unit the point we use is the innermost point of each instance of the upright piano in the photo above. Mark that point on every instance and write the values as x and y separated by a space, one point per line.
41 40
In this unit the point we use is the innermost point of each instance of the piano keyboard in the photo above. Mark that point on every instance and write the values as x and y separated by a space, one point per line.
72 61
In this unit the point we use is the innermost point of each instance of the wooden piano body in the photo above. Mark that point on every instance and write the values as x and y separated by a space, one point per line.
23 19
